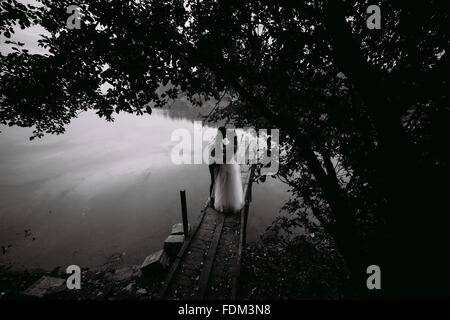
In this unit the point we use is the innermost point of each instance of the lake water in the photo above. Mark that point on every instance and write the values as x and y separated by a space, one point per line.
102 189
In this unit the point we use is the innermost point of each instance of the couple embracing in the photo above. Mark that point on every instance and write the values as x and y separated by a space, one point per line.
226 194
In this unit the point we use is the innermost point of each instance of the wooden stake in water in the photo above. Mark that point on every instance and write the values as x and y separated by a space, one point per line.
184 213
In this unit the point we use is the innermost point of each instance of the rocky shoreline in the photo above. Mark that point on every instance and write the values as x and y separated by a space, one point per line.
124 283
303 267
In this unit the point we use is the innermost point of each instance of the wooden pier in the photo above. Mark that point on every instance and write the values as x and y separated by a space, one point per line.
208 264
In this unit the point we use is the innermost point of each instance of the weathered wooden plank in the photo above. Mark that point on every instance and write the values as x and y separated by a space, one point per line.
209 261
204 277
194 257
187 270
177 261
244 213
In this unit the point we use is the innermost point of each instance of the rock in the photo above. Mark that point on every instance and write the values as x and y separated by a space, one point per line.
57 272
126 273
155 263
141 291
269 236
173 244
177 229
113 262
45 286
129 287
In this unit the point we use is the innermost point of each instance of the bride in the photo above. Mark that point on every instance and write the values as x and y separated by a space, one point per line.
227 186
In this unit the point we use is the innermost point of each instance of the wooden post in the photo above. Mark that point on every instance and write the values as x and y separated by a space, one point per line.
184 213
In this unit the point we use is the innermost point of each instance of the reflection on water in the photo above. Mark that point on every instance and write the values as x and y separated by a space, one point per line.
102 188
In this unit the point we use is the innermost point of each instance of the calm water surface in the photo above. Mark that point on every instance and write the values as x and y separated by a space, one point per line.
102 189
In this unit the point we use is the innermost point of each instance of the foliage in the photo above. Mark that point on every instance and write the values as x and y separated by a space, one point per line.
302 267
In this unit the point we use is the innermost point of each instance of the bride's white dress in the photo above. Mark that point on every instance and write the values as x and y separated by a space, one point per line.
228 193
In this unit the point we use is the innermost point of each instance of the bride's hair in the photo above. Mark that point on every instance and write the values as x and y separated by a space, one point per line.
223 131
